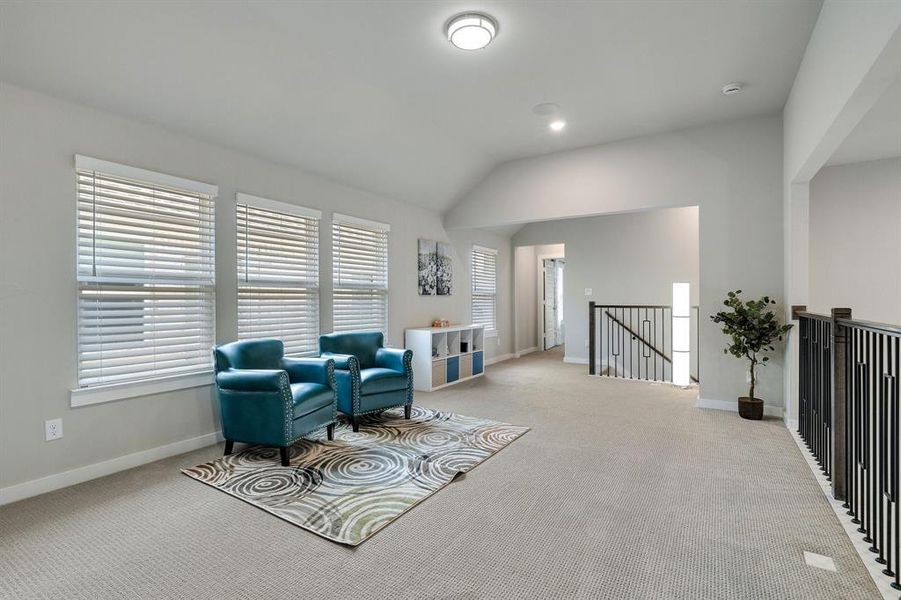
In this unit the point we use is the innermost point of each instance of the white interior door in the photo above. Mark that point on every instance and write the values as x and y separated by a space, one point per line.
558 285
549 303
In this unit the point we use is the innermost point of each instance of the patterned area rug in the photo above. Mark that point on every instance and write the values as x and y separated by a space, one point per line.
348 489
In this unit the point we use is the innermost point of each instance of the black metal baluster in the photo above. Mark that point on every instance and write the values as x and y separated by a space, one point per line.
865 450
654 339
879 454
884 519
858 426
817 392
802 331
622 347
631 347
849 419
896 398
891 476
827 397
607 317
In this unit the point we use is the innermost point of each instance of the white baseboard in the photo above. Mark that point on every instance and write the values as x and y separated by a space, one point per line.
575 360
732 405
791 424
499 358
20 491
526 351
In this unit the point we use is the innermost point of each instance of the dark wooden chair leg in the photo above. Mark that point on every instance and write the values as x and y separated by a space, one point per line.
407 409
229 446
330 431
355 422
286 456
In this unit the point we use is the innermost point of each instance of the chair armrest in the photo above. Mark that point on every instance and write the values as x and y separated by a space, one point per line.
396 359
345 362
310 370
252 380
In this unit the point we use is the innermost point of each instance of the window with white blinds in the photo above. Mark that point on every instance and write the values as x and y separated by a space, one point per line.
484 288
145 276
360 274
278 273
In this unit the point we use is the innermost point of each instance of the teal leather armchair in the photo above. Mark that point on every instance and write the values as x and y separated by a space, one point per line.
370 378
267 399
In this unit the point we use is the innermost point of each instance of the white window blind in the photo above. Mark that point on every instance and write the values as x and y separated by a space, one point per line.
145 274
360 273
278 273
484 287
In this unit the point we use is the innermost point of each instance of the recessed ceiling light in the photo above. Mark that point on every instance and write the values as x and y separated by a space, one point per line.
546 108
471 31
730 89
557 125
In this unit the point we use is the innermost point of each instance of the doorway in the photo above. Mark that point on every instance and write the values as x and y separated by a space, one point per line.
552 302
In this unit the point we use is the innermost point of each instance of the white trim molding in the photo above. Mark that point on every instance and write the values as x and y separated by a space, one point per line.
575 360
499 358
132 389
520 353
732 405
360 222
20 491
277 205
86 163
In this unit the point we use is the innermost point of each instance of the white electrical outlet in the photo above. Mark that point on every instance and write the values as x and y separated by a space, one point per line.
587 291
53 429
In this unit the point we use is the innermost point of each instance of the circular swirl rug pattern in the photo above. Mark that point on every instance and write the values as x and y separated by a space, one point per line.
348 489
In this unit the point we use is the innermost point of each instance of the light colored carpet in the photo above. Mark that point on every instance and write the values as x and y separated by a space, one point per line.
620 490
349 488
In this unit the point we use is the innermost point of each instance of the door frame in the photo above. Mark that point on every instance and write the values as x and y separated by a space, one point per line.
539 259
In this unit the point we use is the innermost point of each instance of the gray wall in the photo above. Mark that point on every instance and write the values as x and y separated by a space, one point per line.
525 308
731 171
39 136
631 258
855 210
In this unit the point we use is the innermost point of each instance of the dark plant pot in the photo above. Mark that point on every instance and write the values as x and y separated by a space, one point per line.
750 408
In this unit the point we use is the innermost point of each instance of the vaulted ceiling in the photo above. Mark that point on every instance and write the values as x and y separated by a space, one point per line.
371 94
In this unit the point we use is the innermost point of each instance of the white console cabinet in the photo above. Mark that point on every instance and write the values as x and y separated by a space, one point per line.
443 356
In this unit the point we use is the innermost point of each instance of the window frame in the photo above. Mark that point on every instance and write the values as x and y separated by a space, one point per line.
283 208
491 331
83 395
338 220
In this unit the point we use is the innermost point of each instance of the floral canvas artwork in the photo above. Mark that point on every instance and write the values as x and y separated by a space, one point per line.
436 268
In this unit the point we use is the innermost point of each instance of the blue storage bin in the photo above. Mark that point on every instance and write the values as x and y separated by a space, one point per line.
477 363
453 368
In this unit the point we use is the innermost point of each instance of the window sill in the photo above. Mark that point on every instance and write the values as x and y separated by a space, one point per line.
133 389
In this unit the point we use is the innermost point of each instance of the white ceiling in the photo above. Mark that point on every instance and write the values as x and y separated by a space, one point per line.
371 94
878 135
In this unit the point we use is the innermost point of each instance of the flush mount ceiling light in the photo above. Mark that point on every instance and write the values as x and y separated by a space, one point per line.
557 125
471 31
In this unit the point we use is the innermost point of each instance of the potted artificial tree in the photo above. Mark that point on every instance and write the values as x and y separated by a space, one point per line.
754 328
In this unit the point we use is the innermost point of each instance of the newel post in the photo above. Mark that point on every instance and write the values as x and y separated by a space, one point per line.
591 336
840 343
